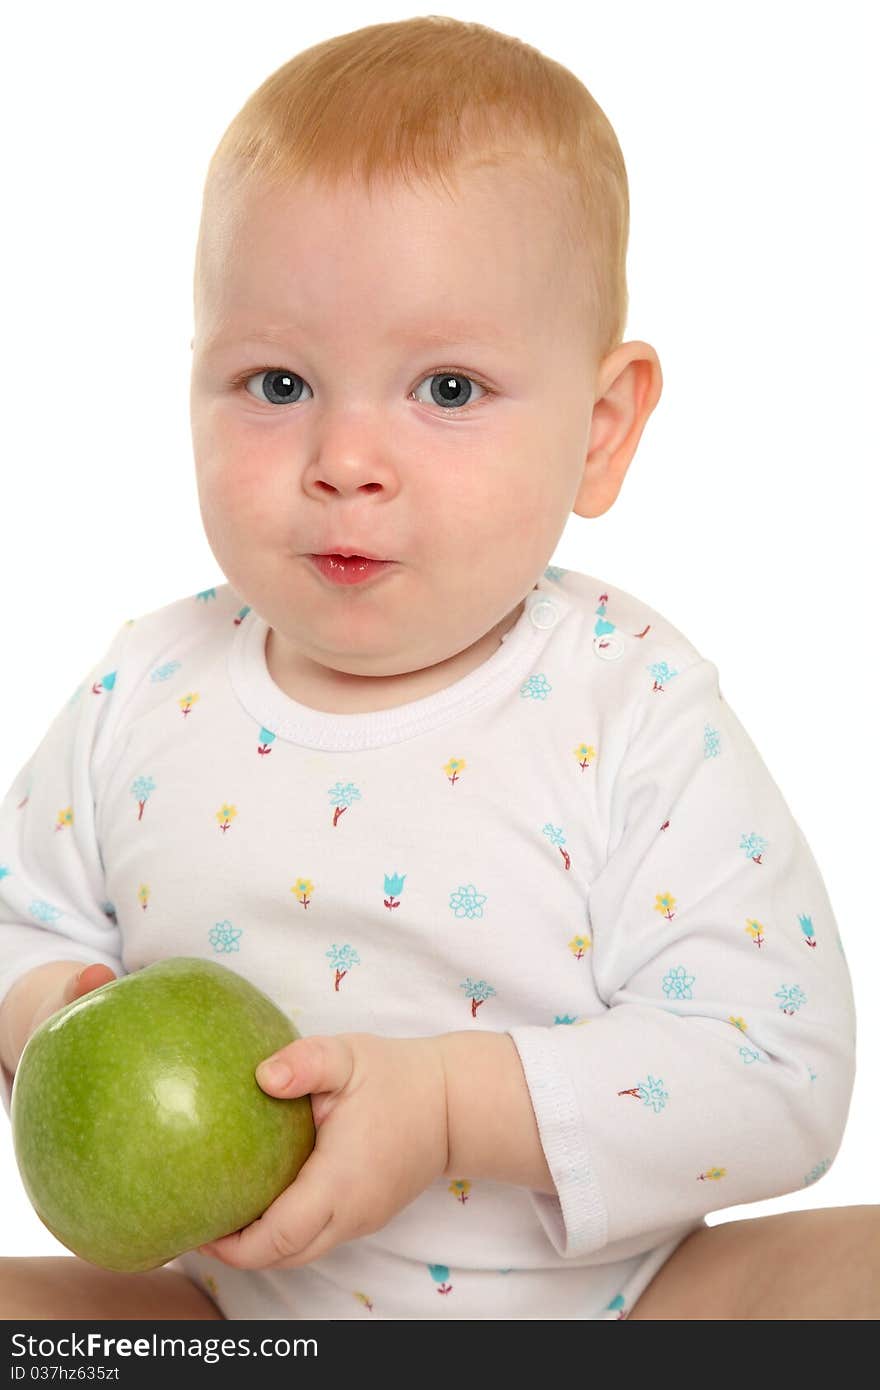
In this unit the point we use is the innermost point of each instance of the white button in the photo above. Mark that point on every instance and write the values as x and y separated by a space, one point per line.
609 646
542 611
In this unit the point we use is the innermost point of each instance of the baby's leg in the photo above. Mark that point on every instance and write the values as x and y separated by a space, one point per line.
819 1263
64 1286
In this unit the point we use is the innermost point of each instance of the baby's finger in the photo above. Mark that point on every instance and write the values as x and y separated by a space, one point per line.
307 1066
287 1229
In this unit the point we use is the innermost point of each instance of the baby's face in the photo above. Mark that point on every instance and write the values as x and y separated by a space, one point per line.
405 377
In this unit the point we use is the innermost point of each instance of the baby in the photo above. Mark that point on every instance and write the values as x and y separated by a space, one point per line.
565 968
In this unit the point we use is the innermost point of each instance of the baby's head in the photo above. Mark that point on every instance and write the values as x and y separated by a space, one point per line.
410 296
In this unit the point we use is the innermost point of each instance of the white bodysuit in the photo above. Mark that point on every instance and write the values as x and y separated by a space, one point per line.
576 843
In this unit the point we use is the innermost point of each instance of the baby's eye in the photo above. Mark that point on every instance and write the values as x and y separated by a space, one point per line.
448 387
278 387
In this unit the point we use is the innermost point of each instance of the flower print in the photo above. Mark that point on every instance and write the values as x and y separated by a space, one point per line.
165 672
460 1188
585 752
440 1275
712 1175
677 984
556 837
65 817
362 1298
140 789
739 1023
578 945
711 742
302 888
144 895
467 902
223 936
267 738
186 702
342 958
393 884
754 846
603 625
45 912
807 929
666 904
105 683
661 672
536 687
477 992
756 931
816 1173
651 1092
792 996
241 614
205 594
453 768
226 815
341 798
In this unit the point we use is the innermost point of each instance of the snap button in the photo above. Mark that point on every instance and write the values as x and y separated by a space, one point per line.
608 646
542 611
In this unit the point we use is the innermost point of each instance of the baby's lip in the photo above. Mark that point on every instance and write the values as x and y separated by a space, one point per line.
348 553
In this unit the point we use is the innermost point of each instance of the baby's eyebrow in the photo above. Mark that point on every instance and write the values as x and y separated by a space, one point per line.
458 334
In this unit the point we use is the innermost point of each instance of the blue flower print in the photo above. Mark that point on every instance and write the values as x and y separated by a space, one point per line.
440 1275
677 984
536 687
223 936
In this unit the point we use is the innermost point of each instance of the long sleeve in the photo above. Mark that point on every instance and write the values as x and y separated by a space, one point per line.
722 1070
52 903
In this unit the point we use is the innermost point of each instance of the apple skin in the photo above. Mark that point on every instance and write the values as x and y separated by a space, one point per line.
139 1127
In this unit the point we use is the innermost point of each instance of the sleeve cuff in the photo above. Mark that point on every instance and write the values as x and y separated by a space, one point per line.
575 1220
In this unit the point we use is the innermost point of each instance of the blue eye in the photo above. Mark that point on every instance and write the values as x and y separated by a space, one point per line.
279 388
449 388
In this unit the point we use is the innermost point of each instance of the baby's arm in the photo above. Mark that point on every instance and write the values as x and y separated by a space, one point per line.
492 1131
39 994
722 1068
52 917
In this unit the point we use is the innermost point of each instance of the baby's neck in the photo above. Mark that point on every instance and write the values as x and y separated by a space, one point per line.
338 692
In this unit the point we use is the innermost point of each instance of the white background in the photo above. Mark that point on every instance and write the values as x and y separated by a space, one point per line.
749 514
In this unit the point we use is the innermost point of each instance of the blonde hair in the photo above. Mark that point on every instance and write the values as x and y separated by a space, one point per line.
427 98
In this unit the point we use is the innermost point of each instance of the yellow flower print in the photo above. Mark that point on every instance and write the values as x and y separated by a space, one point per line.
65 818
584 753
226 815
739 1023
453 768
578 945
666 904
755 930
302 888
362 1298
186 702
460 1188
144 895
712 1174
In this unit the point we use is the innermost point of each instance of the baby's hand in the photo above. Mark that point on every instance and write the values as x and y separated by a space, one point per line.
379 1106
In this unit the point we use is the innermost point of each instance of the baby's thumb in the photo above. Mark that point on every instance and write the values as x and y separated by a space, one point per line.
85 980
307 1065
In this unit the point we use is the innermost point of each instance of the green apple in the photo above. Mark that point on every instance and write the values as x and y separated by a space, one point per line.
139 1127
